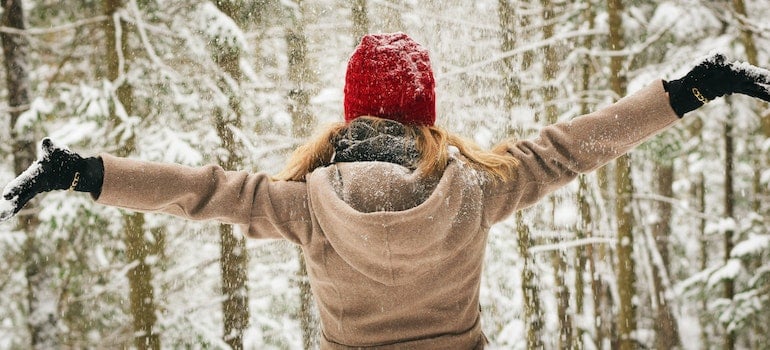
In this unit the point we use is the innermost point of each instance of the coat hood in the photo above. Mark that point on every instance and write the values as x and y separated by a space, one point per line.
389 223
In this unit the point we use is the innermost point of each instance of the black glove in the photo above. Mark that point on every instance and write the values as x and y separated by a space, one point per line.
712 78
57 168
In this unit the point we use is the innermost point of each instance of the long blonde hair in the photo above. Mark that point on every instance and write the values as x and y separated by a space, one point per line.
432 143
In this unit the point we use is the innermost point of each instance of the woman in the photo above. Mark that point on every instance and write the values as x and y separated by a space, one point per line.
392 212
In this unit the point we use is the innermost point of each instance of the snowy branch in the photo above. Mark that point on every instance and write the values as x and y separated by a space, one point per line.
433 15
628 52
571 244
147 45
56 29
674 202
525 48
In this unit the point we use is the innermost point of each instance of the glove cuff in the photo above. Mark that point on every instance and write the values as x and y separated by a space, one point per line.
683 98
91 176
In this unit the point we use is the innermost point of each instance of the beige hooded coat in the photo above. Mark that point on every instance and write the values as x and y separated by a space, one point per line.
393 262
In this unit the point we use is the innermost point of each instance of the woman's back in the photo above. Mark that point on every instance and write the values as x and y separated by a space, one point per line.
382 276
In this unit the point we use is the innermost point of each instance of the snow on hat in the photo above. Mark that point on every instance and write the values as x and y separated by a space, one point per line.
389 76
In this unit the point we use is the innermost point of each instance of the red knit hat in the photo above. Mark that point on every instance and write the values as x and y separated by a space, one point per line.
389 76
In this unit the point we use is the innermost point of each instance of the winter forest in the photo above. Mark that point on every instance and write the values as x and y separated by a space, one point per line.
665 248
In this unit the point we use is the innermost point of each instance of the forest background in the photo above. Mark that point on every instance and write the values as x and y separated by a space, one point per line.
665 248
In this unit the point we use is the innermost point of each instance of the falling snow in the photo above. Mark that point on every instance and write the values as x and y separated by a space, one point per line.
179 91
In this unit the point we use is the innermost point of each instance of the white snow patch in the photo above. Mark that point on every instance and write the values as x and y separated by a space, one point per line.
31 172
721 226
74 131
729 271
764 177
693 280
665 15
174 147
565 215
753 245
220 28
682 186
483 136
761 75
327 95
6 209
100 257
29 117
453 151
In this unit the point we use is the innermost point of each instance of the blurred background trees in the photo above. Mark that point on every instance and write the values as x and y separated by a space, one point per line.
664 248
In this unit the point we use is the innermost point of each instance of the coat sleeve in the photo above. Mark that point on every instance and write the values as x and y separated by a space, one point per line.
262 207
565 149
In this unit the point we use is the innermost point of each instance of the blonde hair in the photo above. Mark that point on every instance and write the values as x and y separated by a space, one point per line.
432 143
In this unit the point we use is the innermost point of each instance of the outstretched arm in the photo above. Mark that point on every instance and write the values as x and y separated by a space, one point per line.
265 208
565 149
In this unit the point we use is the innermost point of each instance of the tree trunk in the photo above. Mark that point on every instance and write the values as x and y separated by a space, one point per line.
306 315
750 47
300 76
550 69
625 255
233 257
141 293
626 322
585 264
551 65
666 328
506 14
729 213
360 20
763 132
559 261
533 314
302 121
43 319
759 157
586 256
235 307
699 192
